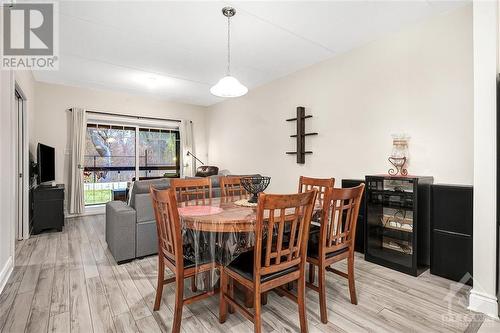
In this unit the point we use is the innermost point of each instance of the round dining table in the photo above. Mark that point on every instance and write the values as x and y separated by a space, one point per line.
216 230
221 215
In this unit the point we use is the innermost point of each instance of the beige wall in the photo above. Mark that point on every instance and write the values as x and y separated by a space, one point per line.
52 120
418 80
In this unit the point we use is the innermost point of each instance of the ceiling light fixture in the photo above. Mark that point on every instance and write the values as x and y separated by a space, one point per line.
228 86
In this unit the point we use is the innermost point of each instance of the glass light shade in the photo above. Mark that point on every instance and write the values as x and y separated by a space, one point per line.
228 86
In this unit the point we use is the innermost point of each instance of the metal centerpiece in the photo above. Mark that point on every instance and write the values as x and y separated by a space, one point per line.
255 185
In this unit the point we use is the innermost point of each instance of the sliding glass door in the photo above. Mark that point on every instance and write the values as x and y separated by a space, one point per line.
115 155
158 153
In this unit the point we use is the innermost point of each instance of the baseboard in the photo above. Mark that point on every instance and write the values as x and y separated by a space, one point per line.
5 273
484 303
96 210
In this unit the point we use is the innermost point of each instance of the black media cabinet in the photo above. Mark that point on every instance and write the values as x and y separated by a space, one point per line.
46 208
398 222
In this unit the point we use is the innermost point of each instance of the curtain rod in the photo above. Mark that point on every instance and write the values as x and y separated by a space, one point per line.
128 116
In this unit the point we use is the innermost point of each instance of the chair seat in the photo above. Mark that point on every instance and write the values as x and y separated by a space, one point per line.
189 263
243 265
313 247
314 229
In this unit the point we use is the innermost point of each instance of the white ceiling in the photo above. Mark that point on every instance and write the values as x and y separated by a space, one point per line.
176 50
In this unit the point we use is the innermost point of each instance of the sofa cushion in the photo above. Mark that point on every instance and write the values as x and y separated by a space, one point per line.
146 239
144 207
142 187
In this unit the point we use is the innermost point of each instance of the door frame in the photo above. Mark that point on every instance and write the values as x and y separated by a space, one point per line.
22 171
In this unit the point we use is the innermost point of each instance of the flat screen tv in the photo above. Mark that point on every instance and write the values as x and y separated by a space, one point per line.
46 163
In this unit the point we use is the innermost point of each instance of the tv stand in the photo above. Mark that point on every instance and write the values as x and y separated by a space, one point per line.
46 208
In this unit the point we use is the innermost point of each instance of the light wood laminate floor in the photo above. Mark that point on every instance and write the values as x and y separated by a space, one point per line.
69 282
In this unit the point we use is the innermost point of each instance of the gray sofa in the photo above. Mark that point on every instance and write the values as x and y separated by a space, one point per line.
131 228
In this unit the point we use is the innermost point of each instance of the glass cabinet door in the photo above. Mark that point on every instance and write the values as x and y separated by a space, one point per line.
390 220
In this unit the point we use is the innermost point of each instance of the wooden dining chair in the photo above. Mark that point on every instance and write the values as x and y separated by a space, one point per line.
170 254
231 188
198 190
192 189
336 240
273 262
321 184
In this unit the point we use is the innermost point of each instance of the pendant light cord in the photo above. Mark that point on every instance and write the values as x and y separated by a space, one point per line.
228 46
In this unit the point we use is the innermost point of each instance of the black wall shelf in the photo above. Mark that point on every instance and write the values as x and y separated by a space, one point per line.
300 136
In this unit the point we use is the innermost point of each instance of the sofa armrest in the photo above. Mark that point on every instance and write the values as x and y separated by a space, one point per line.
120 230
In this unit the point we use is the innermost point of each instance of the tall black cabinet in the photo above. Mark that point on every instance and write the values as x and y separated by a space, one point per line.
451 231
398 222
359 245
46 208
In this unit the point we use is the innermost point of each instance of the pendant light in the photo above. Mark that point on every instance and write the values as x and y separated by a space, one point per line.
228 86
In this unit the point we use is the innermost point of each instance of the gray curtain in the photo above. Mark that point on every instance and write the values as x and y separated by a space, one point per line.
188 162
76 195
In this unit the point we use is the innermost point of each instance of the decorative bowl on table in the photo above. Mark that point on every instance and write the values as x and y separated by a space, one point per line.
255 185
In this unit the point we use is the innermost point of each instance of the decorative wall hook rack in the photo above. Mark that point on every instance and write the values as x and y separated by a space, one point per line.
301 135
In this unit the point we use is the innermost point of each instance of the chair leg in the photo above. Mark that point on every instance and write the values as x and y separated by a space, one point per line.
257 323
248 298
350 277
301 291
231 294
222 301
263 299
159 284
322 293
179 302
311 273
193 284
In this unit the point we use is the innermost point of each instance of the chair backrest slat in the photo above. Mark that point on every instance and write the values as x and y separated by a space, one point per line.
321 184
168 225
199 189
275 251
231 188
339 218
